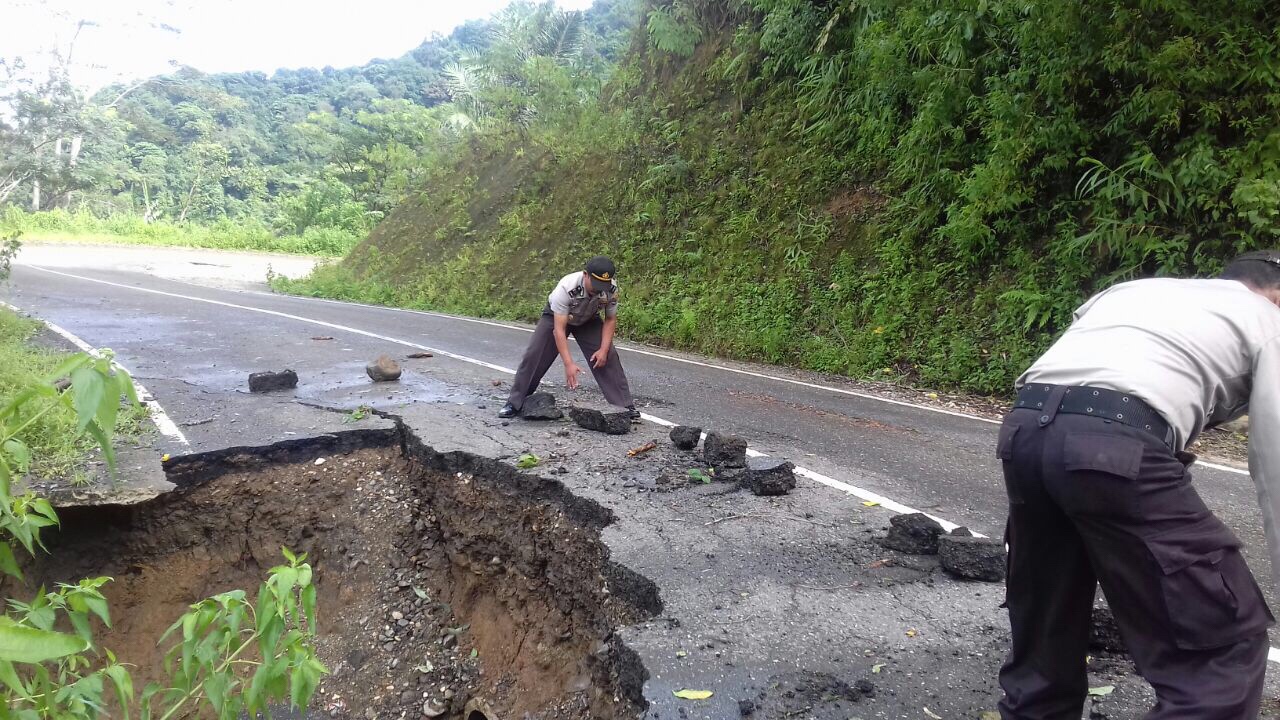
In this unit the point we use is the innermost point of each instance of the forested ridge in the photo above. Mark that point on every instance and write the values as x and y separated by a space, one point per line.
909 189
317 152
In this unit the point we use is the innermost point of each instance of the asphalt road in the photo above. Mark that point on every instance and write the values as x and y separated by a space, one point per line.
939 463
193 345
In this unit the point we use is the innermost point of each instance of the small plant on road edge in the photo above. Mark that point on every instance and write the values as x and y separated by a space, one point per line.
527 461
358 414
229 654
700 476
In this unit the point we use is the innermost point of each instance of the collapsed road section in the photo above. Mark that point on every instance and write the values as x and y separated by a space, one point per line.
453 585
449 585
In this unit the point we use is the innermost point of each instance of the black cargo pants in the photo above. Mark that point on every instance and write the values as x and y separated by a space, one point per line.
1093 502
542 352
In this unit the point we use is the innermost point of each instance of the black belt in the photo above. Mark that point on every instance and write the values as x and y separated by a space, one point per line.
1101 403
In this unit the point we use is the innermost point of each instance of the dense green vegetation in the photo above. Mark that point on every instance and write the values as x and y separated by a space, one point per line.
312 157
913 189
906 189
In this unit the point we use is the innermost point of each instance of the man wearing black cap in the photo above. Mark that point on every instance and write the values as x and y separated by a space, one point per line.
1096 471
574 308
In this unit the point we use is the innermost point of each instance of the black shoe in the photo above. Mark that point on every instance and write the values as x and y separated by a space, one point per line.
633 413
508 411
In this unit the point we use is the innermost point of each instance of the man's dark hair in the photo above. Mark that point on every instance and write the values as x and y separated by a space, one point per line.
1260 269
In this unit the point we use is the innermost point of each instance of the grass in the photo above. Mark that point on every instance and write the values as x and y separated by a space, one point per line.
59 226
57 451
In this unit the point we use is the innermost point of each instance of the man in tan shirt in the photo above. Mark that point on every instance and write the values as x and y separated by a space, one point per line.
574 308
1096 471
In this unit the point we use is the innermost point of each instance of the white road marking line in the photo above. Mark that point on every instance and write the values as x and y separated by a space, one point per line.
1273 654
651 353
159 417
630 348
865 495
1223 468
276 313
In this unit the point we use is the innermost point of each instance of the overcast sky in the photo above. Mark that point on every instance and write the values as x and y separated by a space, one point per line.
127 40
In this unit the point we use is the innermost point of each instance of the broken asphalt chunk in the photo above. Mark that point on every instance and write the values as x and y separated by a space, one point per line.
540 406
613 422
384 369
768 476
724 451
686 437
914 533
972 558
271 381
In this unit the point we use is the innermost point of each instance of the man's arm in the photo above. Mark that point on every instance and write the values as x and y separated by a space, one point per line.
1264 444
601 356
561 333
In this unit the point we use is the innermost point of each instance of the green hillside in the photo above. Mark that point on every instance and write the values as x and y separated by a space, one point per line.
912 190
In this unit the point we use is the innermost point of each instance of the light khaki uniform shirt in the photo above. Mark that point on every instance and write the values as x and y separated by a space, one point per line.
570 297
1200 352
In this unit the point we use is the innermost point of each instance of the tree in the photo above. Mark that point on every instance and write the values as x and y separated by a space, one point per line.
202 166
41 135
148 168
326 203
530 49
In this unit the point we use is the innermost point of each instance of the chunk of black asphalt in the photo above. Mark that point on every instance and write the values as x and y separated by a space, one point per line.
271 381
914 533
541 406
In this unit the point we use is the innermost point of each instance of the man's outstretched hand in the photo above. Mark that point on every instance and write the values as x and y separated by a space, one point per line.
571 376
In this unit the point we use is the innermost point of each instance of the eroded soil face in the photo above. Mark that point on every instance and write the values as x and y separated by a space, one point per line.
446 583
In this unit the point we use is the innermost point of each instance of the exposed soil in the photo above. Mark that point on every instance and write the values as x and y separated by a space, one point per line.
861 203
445 581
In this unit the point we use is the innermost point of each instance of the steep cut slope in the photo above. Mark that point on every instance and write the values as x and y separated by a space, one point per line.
725 227
904 190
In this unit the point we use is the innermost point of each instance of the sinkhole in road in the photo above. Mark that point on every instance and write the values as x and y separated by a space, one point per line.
449 585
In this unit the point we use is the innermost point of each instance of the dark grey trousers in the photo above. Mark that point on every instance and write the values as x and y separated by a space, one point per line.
1093 502
542 352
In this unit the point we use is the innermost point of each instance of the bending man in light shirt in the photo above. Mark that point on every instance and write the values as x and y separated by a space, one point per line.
574 308
1096 471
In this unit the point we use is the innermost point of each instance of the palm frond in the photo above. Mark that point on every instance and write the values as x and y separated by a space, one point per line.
563 36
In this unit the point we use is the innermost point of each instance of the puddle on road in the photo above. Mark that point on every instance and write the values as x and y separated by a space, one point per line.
349 381
445 579
336 384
